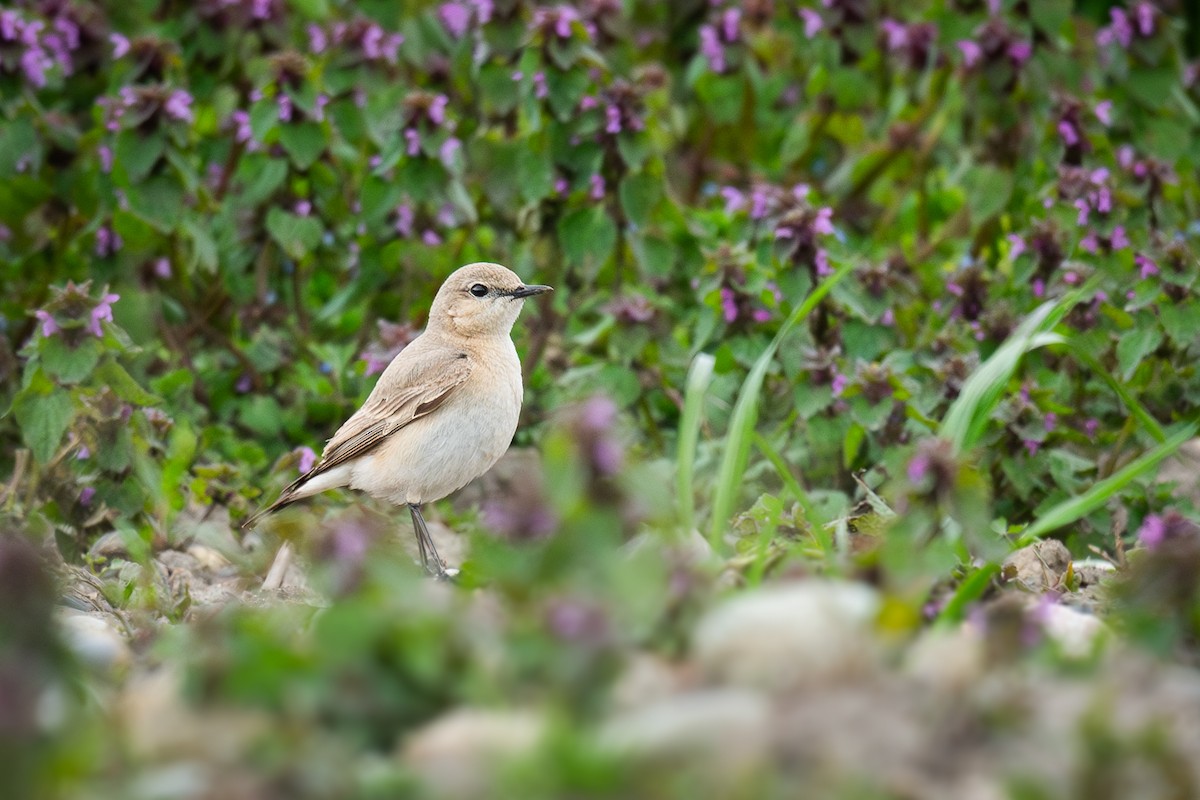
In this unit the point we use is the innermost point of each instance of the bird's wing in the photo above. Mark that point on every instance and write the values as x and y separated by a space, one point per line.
414 385
410 388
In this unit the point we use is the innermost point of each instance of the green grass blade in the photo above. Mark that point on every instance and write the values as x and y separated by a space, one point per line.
699 377
1071 510
970 590
1137 409
968 416
745 412
790 483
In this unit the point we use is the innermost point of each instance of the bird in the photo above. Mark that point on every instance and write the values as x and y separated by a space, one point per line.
442 413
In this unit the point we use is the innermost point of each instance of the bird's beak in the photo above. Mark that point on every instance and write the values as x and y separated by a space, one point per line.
530 291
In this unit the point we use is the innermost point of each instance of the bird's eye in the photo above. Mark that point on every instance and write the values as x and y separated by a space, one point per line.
479 290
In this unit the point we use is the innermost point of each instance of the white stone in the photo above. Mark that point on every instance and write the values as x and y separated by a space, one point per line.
788 636
457 753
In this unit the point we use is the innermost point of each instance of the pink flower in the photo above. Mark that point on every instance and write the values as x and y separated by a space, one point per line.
87 495
1118 241
1016 246
317 40
730 22
1068 133
308 459
839 384
105 154
448 151
49 325
895 34
812 22
413 142
437 109
405 217
1103 112
711 49
303 208
179 106
284 101
241 122
597 191
735 200
101 313
456 17
1153 531
1144 13
612 115
823 224
1084 211
759 200
971 52
540 90
729 306
120 45
1020 52
1146 266
430 237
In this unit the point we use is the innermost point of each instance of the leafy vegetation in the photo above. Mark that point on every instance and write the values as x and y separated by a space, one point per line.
857 303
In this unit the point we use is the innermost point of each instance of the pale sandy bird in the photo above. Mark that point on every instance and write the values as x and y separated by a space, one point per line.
442 413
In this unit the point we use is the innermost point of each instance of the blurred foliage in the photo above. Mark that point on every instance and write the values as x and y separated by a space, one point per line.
220 219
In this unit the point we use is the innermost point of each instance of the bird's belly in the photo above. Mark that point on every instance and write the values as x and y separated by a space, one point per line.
436 455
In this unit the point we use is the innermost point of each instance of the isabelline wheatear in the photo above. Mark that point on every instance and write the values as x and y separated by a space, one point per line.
443 411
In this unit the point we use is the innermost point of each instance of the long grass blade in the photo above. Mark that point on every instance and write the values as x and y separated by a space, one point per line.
1076 508
745 412
699 377
1137 409
968 416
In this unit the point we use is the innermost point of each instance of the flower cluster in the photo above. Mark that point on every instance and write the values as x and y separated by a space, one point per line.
717 36
74 314
363 38
146 107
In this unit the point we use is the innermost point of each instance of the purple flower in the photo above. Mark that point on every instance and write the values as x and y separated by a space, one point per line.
87 495
120 45
823 224
1020 52
588 102
449 151
456 17
446 217
711 49
812 22
261 9
162 268
1146 266
821 260
49 325
597 191
284 101
317 40
84 453
613 116
972 53
561 186
1118 240
1068 133
735 199
1119 31
405 217
430 237
102 312
759 200
1103 112
372 42
730 23
540 90
729 307
107 241
1144 13
839 384
1016 246
1032 446
1084 211
1153 531
1050 422
35 63
895 34
179 106
437 109
303 208
308 459
1091 427
413 140
105 154
241 122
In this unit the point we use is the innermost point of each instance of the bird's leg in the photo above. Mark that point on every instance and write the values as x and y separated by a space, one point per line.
425 545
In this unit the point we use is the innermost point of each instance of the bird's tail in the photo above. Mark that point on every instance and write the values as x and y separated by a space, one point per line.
288 496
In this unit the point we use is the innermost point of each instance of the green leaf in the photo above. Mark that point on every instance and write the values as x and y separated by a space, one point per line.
18 142
297 235
259 177
745 411
852 444
262 415
1135 345
137 153
204 247
69 364
122 383
1078 507
988 190
640 194
587 237
304 142
43 419
158 201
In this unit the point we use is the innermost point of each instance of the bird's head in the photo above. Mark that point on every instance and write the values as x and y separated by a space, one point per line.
480 299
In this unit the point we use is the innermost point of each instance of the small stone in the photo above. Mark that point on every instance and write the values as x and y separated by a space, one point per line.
110 545
208 557
95 641
458 753
950 659
1040 567
1076 632
784 637
724 732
